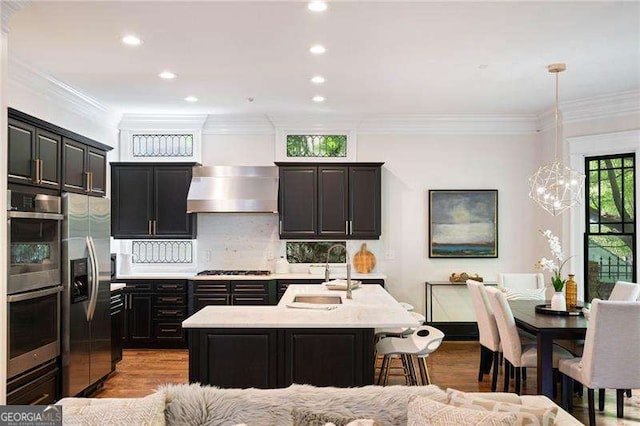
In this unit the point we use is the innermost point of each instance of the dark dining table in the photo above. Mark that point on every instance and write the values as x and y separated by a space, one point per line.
546 328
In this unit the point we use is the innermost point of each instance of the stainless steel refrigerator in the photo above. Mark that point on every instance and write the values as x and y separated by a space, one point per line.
86 271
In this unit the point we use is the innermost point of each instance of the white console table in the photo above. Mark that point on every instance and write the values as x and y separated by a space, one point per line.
449 307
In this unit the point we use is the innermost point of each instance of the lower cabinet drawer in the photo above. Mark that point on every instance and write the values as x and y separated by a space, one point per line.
40 391
250 299
172 300
168 331
169 312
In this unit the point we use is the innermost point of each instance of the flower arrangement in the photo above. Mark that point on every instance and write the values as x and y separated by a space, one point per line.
550 264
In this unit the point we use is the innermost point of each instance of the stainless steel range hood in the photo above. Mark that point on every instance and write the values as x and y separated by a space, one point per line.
228 189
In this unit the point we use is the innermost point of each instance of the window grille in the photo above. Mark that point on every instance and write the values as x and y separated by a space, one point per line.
162 145
174 251
317 146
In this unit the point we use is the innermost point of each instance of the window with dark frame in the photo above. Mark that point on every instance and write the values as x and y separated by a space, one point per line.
610 237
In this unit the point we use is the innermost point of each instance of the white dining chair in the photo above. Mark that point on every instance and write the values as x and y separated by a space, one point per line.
625 291
419 345
610 357
515 354
488 332
522 286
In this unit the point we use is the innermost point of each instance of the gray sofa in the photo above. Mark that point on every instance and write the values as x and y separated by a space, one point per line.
205 405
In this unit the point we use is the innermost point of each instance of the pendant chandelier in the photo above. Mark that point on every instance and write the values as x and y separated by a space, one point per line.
556 187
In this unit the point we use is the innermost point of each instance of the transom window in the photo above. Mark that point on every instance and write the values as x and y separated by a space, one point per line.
610 239
316 146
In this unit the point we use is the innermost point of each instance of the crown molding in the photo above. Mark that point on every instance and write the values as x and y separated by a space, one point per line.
7 9
599 107
25 77
326 122
167 122
229 124
449 124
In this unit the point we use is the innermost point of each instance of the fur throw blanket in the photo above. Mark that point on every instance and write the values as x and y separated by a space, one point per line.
205 405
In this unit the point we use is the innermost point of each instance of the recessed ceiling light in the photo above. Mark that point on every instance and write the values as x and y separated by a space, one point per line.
317 6
191 99
317 49
318 98
317 79
167 75
131 40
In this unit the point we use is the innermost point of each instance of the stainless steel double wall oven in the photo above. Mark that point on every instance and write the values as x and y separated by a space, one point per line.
34 283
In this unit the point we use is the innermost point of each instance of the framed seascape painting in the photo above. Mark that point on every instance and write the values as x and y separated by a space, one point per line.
463 223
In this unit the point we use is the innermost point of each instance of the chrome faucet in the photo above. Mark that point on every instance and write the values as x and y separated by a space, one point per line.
326 267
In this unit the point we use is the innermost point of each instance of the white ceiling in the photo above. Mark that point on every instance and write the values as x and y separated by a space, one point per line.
382 57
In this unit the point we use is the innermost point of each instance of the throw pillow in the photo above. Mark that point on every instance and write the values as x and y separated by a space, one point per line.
527 416
147 411
425 411
302 417
525 293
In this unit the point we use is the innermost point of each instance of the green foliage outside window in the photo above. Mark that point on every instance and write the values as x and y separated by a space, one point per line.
316 145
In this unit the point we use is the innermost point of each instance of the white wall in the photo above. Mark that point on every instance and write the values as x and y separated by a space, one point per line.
416 163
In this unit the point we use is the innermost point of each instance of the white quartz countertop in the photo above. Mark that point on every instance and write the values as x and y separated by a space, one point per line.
117 286
291 276
371 307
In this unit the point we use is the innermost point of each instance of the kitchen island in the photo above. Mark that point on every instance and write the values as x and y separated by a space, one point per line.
275 346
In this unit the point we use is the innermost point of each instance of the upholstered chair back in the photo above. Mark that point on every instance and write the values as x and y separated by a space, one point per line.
625 292
487 326
612 346
521 286
521 281
511 345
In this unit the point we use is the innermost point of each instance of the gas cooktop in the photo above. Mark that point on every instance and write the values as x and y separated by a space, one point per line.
233 272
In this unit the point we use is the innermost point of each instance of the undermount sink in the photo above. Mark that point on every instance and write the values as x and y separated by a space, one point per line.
319 300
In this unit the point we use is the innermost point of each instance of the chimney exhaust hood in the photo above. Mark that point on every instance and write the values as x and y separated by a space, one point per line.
232 189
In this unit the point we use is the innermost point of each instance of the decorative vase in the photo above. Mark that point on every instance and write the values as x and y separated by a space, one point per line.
571 290
558 302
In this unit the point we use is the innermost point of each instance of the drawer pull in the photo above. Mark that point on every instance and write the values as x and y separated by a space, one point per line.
169 286
171 299
37 401
169 312
249 299
168 330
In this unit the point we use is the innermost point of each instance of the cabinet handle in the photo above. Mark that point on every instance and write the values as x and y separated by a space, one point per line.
170 299
346 227
131 301
280 226
125 302
36 179
155 227
350 227
168 330
39 400
90 181
87 176
40 168
150 233
169 312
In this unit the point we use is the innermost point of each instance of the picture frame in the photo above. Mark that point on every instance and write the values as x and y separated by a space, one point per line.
463 223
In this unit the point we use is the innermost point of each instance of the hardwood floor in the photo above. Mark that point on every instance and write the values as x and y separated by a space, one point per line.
454 365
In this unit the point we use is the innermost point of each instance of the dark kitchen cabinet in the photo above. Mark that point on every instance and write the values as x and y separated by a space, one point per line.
44 155
34 155
298 198
154 311
150 201
84 168
139 317
330 201
230 292
279 357
39 386
117 326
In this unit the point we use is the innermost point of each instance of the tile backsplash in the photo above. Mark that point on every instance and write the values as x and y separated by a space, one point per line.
237 241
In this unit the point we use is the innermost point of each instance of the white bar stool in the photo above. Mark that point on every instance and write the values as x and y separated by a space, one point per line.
420 344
